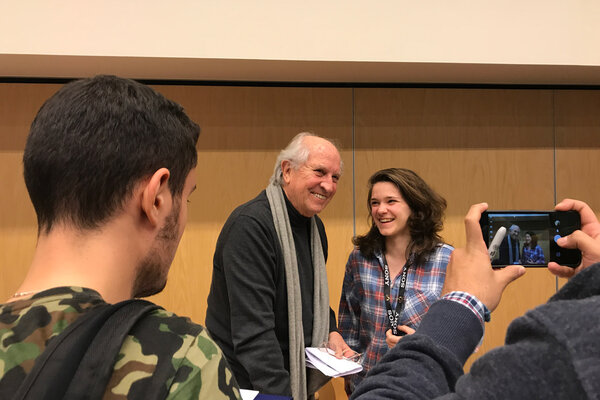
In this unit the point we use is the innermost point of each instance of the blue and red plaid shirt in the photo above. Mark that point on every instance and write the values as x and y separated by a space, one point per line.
362 313
533 256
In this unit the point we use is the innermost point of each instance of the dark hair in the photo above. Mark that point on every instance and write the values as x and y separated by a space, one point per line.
534 239
94 140
425 220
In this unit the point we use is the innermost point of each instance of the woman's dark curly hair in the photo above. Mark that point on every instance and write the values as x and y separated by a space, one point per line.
425 220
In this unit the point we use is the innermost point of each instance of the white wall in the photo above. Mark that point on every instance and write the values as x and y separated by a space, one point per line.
370 38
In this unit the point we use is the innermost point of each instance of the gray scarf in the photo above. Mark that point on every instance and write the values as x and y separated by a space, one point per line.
320 331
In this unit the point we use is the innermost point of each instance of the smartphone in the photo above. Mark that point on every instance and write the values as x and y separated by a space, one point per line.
528 238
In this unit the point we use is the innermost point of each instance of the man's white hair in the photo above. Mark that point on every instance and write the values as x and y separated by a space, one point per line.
296 152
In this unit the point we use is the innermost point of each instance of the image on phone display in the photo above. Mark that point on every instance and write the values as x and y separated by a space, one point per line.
529 237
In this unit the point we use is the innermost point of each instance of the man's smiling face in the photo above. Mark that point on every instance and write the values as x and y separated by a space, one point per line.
312 185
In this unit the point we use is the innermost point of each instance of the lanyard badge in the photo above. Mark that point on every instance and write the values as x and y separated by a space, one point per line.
392 314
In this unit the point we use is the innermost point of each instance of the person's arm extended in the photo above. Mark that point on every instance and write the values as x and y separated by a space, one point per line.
534 362
427 364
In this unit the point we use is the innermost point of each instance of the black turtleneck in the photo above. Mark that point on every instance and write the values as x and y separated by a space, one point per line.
301 229
247 305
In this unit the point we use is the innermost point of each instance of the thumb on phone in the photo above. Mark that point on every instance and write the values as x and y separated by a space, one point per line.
590 253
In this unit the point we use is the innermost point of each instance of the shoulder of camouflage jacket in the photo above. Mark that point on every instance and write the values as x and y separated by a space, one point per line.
171 349
162 344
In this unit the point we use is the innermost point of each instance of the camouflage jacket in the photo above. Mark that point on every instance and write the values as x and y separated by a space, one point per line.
197 368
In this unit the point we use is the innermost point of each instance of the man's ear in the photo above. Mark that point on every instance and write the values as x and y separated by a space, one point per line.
156 197
286 169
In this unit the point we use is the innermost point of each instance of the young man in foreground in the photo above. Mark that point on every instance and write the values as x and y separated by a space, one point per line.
109 165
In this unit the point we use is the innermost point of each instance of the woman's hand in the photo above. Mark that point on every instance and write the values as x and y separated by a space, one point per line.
392 339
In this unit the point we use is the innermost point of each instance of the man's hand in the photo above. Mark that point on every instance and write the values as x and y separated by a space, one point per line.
587 239
337 344
470 270
392 339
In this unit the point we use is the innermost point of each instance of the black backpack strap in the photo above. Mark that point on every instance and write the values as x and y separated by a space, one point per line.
96 368
56 367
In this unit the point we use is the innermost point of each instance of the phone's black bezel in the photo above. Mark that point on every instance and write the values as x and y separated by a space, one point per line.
568 222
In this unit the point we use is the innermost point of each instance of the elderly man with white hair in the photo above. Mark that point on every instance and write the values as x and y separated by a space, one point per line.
510 248
269 295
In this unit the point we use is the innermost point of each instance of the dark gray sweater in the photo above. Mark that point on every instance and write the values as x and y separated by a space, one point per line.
552 352
247 311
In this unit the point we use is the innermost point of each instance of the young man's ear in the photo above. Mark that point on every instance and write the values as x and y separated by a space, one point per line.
156 197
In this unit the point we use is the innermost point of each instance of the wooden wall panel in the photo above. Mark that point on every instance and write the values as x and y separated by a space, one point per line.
243 130
578 147
18 227
471 146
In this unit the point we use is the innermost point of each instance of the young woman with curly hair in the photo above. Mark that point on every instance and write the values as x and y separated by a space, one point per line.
397 269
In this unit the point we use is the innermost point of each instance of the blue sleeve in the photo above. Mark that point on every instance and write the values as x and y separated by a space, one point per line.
427 364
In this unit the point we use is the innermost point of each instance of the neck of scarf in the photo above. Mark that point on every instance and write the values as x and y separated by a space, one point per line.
513 256
320 297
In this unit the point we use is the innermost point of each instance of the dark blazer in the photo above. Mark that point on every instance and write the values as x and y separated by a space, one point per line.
503 258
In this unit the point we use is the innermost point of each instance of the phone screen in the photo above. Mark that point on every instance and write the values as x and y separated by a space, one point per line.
530 237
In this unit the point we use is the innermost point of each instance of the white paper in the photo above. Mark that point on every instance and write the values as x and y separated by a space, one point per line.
330 365
248 394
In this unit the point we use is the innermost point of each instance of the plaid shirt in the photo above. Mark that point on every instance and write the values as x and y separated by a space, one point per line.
533 256
472 303
362 314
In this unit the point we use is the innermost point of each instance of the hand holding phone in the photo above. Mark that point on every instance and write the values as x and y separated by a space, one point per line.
587 240
469 269
531 237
